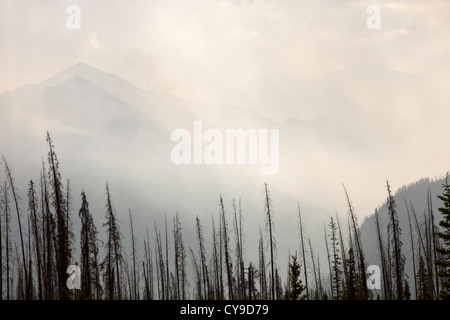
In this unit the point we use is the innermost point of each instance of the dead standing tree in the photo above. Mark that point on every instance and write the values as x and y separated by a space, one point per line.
268 212
10 185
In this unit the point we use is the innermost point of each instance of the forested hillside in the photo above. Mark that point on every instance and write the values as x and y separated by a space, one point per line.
407 237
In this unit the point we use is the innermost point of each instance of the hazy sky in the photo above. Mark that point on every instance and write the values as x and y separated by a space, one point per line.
197 48
203 50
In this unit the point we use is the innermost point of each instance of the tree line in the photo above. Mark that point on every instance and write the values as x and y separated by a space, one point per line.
34 260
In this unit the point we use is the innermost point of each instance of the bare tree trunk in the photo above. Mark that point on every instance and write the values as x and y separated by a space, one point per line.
412 249
386 278
329 262
114 258
343 257
320 279
262 268
361 260
197 275
227 253
13 190
167 258
398 259
160 263
133 252
62 232
1 248
314 268
250 281
216 264
180 258
149 268
63 252
336 260
158 276
176 252
7 242
419 231
118 269
434 229
49 245
239 257
204 267
68 202
29 285
146 280
300 225
90 274
241 247
33 207
270 226
222 294
428 252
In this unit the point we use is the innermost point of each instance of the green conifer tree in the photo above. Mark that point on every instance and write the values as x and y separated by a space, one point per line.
423 288
443 262
336 263
351 280
406 291
296 285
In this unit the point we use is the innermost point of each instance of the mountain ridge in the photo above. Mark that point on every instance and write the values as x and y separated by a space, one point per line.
314 153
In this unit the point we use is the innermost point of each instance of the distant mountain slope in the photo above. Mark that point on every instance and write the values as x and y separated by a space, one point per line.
106 129
415 195
363 89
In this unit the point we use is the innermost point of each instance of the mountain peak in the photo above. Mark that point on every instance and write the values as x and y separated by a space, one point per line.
82 67
107 81
80 70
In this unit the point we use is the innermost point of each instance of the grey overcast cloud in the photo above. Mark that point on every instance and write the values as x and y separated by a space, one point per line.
150 96
276 58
